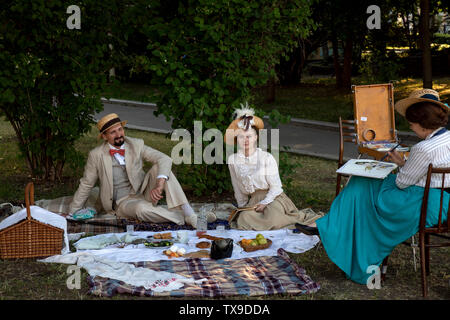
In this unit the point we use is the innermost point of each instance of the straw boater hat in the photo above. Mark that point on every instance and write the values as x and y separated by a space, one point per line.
422 95
107 122
244 118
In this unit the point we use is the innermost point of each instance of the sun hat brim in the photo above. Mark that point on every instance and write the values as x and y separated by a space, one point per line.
123 123
402 105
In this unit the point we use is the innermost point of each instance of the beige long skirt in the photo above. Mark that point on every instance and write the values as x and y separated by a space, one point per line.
280 213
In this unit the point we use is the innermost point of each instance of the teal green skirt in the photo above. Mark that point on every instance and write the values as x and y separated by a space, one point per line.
369 218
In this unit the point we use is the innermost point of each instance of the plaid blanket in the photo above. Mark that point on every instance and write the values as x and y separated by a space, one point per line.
227 277
109 223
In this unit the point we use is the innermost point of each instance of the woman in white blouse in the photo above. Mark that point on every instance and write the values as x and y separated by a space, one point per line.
256 181
370 217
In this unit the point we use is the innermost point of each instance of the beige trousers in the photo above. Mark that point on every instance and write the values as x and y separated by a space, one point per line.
280 213
140 207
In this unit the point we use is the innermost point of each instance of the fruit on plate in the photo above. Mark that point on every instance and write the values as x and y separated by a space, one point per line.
262 241
259 240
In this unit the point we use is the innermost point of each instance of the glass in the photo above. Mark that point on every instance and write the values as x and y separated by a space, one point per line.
130 228
183 236
202 223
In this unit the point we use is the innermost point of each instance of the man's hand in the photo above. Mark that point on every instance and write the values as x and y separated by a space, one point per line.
395 157
260 207
156 193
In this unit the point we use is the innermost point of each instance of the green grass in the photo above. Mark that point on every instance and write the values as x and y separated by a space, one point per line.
313 186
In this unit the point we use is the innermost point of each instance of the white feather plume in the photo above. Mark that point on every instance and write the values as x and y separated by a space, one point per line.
244 111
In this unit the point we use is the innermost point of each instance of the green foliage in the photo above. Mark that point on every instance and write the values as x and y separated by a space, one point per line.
207 55
380 68
51 76
287 167
441 38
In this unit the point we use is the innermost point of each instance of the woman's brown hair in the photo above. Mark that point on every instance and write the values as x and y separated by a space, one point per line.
427 115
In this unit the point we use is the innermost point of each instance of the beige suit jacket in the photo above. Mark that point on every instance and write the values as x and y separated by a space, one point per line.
99 167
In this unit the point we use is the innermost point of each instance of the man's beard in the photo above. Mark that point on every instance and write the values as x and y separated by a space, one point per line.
119 141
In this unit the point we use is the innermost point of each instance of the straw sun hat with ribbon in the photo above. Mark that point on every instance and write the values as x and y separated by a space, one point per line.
244 119
107 122
422 95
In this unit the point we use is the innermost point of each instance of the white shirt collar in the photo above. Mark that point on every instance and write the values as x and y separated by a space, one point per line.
433 133
242 154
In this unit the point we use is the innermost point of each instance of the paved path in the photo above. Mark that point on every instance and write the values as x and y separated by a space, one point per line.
304 137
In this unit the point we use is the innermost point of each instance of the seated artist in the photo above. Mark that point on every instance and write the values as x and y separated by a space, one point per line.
370 217
254 175
125 189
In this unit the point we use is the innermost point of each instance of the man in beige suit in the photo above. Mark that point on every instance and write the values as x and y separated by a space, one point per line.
125 189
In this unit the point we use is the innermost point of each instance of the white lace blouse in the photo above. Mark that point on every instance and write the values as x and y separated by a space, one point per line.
259 171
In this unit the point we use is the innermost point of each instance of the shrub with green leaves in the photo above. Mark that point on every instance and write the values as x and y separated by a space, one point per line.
206 56
51 76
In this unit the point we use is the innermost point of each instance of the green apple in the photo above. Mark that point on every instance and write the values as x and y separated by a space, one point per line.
262 241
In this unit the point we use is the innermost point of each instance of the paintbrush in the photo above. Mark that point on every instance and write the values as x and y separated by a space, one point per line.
384 157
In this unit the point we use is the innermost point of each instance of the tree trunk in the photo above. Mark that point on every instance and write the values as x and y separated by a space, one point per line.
337 65
347 68
426 48
270 95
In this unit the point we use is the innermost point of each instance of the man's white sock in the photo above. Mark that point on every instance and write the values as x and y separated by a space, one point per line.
187 209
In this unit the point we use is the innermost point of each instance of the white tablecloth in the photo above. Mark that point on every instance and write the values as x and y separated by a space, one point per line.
284 238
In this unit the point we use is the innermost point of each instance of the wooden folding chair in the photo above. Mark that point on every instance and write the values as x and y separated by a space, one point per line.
346 134
441 228
438 230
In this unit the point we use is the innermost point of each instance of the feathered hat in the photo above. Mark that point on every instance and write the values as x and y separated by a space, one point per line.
244 118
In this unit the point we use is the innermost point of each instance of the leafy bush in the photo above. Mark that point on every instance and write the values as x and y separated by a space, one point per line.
52 76
380 68
441 38
207 55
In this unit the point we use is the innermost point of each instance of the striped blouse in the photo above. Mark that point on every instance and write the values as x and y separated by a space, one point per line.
434 150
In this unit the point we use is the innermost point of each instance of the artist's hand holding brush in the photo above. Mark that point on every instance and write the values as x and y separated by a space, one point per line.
397 158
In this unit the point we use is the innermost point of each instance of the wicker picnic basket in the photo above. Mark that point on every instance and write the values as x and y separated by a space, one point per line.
30 238
249 248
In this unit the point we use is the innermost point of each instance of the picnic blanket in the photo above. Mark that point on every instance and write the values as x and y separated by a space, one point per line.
227 277
109 223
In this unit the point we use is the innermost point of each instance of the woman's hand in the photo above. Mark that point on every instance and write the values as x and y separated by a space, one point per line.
260 207
395 157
